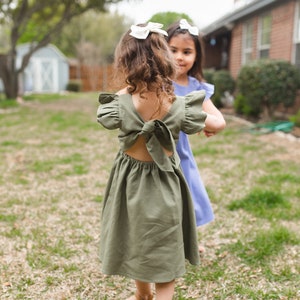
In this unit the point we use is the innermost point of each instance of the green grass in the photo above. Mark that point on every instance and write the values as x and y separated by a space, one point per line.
8 218
8 103
265 244
55 162
261 203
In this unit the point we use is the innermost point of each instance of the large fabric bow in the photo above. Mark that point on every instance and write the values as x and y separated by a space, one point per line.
157 136
141 33
183 24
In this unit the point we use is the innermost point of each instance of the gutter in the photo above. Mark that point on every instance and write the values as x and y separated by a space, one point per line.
226 22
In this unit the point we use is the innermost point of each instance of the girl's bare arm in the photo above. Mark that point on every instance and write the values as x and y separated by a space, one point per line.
215 121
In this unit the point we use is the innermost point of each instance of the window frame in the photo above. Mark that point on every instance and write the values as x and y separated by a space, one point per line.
296 36
263 47
247 37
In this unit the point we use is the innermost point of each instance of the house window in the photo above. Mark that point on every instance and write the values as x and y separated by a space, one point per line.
264 38
247 42
297 37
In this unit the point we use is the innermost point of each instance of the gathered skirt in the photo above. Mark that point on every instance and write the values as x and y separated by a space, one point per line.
148 227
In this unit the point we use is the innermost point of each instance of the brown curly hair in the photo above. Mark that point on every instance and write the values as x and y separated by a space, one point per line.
145 65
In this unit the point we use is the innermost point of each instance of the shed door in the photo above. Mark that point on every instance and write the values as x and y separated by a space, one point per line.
45 75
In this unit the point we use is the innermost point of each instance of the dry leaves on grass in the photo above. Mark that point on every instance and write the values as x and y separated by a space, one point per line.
55 163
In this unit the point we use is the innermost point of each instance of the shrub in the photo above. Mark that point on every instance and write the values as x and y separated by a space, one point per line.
240 105
296 119
208 75
223 82
265 84
74 86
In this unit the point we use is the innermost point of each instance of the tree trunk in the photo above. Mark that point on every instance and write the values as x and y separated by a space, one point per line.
9 75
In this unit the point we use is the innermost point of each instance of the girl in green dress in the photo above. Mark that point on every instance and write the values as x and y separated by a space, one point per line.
148 226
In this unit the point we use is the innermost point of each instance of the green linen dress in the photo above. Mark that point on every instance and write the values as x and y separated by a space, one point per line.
148 221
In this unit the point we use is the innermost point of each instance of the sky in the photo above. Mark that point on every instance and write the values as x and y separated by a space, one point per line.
202 12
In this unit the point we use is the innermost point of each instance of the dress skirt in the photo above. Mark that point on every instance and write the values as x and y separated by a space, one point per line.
148 222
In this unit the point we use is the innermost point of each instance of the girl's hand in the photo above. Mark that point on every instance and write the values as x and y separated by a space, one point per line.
209 133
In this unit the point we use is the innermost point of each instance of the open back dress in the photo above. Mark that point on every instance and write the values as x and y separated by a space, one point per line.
148 226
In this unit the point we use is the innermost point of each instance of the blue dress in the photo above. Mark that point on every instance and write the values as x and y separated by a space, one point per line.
203 210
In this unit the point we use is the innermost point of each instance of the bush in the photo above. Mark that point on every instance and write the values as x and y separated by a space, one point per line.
241 107
74 86
296 119
223 82
208 75
266 84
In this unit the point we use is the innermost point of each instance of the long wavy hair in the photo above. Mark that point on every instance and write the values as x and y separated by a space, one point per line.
145 65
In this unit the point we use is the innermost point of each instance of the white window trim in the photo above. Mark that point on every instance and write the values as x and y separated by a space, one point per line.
296 35
259 32
246 50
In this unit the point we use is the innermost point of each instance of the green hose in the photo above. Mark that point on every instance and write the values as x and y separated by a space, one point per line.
269 127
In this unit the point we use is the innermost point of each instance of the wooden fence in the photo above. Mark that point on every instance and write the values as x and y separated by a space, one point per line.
93 78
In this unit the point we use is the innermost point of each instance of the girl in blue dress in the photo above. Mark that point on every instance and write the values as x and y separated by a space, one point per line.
186 45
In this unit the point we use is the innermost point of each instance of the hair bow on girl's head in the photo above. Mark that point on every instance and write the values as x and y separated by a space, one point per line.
183 24
141 33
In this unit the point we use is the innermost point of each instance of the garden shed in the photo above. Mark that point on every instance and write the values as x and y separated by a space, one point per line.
47 71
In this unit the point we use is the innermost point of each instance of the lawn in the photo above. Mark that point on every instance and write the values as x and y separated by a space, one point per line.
55 161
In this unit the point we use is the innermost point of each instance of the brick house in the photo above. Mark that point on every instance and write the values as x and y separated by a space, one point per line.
254 29
257 29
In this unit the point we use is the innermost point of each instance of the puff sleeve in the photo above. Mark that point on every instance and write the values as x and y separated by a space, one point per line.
194 120
108 111
208 88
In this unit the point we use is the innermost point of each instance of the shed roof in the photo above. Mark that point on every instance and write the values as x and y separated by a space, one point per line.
23 48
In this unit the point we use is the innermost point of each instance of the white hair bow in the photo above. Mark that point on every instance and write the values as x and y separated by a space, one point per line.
183 24
141 33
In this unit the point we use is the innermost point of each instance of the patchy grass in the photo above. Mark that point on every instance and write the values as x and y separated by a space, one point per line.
265 244
267 204
55 162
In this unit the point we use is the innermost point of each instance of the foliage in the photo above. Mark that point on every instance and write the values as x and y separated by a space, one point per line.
208 75
74 86
240 105
224 83
102 30
37 21
167 18
266 84
296 118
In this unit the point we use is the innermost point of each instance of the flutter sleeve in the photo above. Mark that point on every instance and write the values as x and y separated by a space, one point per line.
208 88
194 115
108 114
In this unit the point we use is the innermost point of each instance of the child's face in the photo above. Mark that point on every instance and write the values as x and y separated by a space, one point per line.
183 48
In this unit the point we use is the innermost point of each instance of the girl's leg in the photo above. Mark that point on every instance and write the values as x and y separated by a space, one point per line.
143 291
165 291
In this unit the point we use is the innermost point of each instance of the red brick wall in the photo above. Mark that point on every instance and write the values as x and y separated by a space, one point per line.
281 36
235 60
282 31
